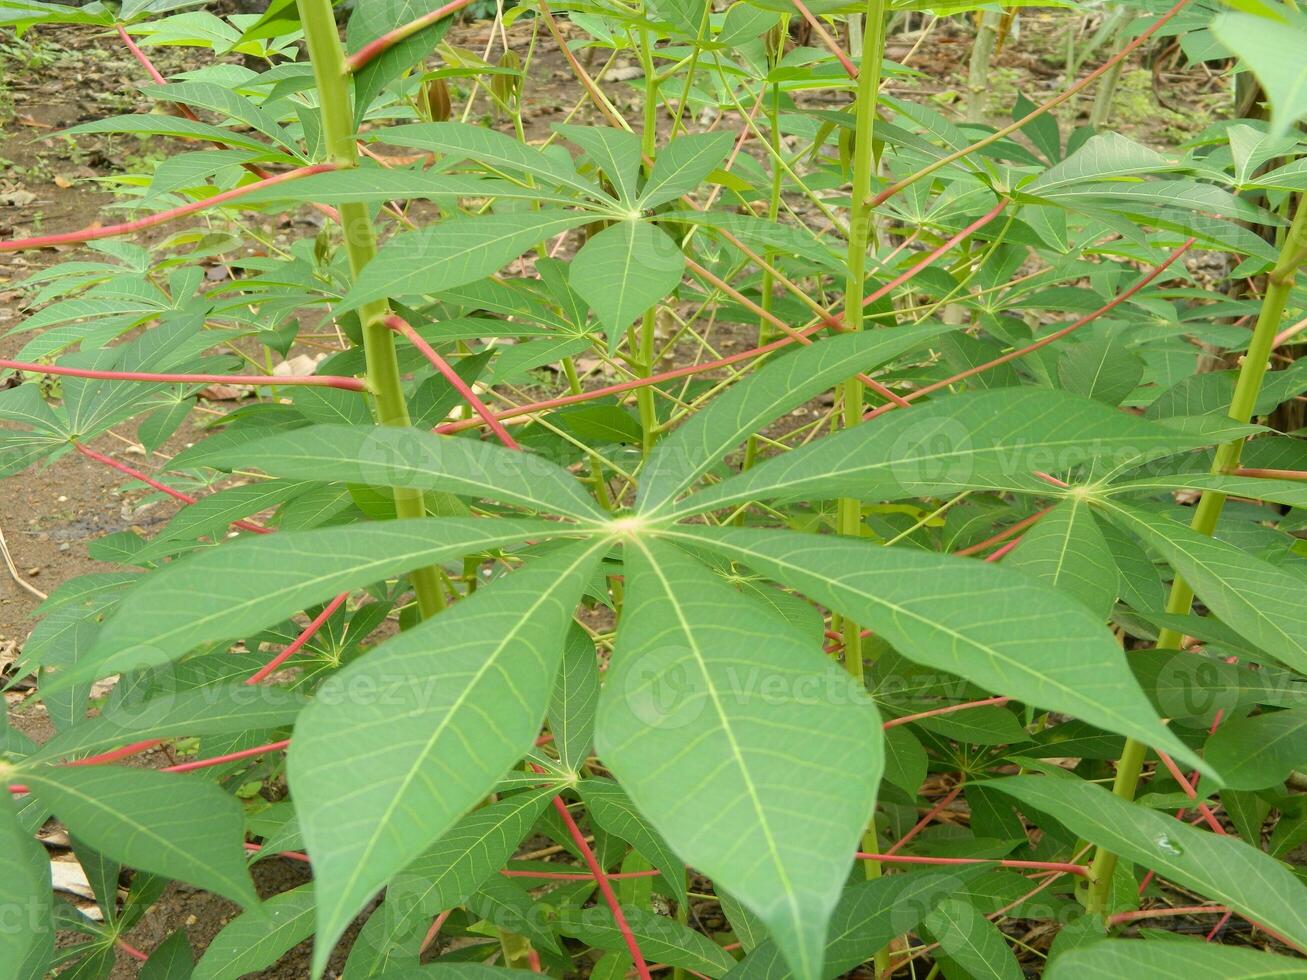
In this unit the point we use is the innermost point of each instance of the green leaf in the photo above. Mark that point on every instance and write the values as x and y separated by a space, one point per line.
1171 959
172 959
626 269
181 827
454 866
458 140
660 939
724 731
388 456
696 446
1290 492
454 253
575 698
26 940
982 439
1104 156
972 941
212 710
868 916
1259 751
1101 368
1067 550
253 583
1263 602
1222 868
958 615
611 809
1271 48
254 942
682 165
614 151
426 723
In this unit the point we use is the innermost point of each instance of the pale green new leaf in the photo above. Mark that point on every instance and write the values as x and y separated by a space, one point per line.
212 710
1171 959
1223 868
250 943
454 253
181 827
972 941
227 592
388 456
741 743
425 724
995 627
626 269
1066 550
989 439
682 165
1263 602
708 435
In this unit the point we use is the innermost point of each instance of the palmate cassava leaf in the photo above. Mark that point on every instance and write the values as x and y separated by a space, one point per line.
387 456
1223 868
228 592
1171 959
426 724
960 616
986 439
454 253
699 444
1263 602
725 732
183 827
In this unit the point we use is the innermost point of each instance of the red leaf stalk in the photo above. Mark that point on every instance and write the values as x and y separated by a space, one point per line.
128 227
254 380
294 647
388 40
403 327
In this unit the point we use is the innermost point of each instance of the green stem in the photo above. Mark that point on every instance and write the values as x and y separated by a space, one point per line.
383 376
644 355
1208 512
849 509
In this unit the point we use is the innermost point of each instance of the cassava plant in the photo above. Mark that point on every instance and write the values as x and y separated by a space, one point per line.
952 600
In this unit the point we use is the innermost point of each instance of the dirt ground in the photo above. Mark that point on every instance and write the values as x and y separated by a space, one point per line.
47 184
